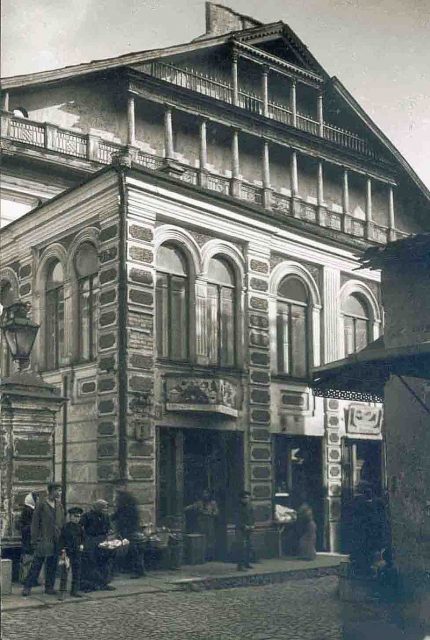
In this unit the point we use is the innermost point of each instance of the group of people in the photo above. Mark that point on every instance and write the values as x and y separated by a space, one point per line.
86 540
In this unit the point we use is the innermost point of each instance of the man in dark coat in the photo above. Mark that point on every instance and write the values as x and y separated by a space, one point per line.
245 524
48 518
127 523
97 561
72 540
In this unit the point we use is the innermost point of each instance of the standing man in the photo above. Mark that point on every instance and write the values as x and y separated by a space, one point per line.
245 524
48 519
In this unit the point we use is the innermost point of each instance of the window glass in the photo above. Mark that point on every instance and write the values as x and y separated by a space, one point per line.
87 266
171 260
292 328
356 323
221 272
221 314
86 260
172 326
54 316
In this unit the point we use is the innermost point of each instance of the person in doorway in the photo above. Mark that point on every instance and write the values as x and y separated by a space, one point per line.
72 541
48 518
127 522
25 528
306 533
98 562
245 524
206 512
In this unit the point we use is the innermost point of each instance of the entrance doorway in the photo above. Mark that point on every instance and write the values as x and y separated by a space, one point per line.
191 461
298 471
362 461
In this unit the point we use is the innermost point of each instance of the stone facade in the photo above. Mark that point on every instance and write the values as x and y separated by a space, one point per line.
221 174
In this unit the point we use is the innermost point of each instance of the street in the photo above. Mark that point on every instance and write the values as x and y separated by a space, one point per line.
306 609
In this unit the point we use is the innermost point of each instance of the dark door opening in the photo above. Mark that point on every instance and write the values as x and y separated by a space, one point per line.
298 471
191 461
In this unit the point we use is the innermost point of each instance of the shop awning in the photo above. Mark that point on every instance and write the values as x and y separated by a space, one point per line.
362 375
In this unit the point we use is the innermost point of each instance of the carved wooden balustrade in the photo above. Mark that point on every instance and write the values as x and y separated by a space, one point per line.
93 148
220 90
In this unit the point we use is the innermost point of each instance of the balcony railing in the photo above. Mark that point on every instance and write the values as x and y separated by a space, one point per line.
220 90
93 148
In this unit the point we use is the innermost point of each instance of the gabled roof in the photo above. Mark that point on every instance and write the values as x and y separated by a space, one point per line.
252 36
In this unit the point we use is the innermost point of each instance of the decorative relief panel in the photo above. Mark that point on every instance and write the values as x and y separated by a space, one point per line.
364 420
215 395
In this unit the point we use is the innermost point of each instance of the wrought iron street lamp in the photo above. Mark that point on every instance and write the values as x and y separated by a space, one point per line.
19 331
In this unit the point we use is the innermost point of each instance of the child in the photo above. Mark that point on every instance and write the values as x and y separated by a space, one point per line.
72 542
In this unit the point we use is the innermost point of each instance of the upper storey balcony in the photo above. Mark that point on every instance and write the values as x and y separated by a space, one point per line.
231 93
260 188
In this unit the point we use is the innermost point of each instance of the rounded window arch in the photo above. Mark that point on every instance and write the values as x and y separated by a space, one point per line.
221 312
172 302
356 322
86 262
7 297
292 327
54 314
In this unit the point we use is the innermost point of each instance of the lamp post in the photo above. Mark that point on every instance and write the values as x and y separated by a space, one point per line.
19 331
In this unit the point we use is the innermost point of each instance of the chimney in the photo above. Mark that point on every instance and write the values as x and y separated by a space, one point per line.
221 20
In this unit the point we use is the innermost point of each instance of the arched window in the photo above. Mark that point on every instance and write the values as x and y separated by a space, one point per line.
87 267
6 299
54 315
292 327
172 303
356 323
221 313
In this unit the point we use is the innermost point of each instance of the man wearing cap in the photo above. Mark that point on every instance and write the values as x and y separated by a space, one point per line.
46 524
245 524
72 541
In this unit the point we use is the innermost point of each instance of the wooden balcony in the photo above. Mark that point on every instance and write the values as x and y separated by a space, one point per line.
219 90
44 136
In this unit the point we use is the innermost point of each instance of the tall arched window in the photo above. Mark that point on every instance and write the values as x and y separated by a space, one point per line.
356 323
292 327
221 313
6 299
87 267
54 315
172 304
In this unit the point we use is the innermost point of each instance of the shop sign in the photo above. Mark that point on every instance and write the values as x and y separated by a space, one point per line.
364 420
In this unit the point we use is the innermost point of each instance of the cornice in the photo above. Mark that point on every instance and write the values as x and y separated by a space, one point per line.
278 64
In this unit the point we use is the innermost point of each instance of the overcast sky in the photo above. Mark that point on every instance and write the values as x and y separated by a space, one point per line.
380 49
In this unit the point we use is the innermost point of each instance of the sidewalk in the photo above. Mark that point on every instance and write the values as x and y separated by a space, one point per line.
212 575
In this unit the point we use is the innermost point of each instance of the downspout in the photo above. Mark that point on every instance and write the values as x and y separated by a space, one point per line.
122 322
64 442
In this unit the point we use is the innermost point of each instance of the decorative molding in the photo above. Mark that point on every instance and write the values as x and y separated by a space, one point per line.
202 394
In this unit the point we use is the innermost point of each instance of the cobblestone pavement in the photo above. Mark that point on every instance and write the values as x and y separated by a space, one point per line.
306 609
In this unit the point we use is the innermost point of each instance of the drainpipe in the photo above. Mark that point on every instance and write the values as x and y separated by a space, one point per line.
64 442
122 325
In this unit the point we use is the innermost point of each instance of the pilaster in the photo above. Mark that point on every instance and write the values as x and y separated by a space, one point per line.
258 446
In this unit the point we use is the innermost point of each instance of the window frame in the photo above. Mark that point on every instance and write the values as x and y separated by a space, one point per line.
169 275
219 289
57 294
290 304
368 319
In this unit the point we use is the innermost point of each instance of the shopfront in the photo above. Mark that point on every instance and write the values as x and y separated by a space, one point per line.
191 460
